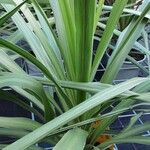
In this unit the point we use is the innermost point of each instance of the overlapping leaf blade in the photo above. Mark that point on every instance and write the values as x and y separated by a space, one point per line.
72 140
85 106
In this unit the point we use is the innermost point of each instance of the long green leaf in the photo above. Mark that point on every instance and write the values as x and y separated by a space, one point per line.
65 27
7 96
73 113
96 87
32 59
8 63
19 123
74 139
110 26
124 46
98 12
17 133
132 122
27 30
133 139
51 37
8 15
53 47
31 85
29 96
117 33
55 66
84 34
131 11
7 2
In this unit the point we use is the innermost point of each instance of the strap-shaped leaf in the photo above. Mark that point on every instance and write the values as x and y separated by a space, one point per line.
53 61
19 123
37 63
84 34
74 139
106 37
132 122
9 14
7 96
117 33
29 96
133 139
6 2
52 39
17 133
8 63
124 46
65 27
27 30
98 12
33 86
73 113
